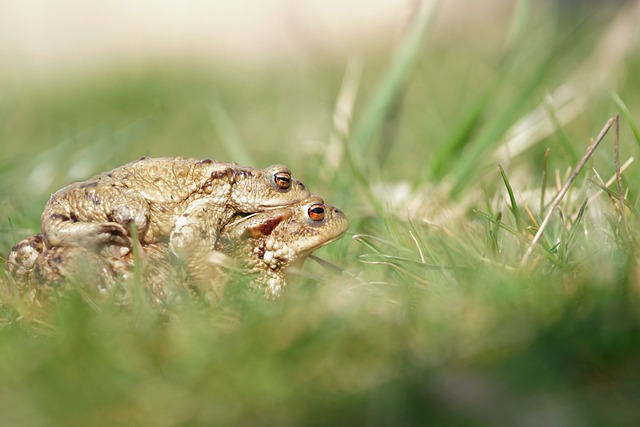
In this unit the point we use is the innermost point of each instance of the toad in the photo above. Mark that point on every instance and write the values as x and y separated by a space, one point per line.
183 201
269 244
275 242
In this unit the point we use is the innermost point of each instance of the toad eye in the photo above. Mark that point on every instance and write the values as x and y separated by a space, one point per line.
282 180
316 212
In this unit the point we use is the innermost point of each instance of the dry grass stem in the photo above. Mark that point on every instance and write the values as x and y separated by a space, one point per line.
417 246
563 191
545 169
530 214
616 149
611 180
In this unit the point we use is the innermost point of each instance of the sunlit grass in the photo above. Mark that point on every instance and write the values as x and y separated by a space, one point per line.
431 316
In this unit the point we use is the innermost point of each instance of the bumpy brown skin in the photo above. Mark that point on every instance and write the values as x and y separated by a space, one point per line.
268 243
36 271
185 201
22 259
273 242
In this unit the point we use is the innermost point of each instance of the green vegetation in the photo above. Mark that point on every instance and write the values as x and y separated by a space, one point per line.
458 147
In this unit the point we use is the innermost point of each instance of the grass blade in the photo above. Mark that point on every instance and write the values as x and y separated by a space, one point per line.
392 83
495 129
514 205
449 150
627 115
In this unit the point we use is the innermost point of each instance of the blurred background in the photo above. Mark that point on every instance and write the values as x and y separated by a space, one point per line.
86 86
43 37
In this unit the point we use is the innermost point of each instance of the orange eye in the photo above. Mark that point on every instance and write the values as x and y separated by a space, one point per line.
316 212
283 180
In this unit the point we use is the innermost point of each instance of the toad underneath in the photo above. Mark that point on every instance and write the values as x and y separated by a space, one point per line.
275 242
268 244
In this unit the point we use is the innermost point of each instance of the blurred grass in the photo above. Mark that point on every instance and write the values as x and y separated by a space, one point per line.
431 321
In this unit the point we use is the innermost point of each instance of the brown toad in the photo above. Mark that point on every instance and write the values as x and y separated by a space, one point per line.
184 201
274 242
268 243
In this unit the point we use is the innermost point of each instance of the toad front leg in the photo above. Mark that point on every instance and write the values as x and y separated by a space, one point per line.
196 231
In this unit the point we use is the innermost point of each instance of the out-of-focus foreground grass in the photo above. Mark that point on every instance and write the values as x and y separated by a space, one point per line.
432 321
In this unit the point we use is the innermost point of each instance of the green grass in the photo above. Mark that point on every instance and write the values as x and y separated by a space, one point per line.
431 320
